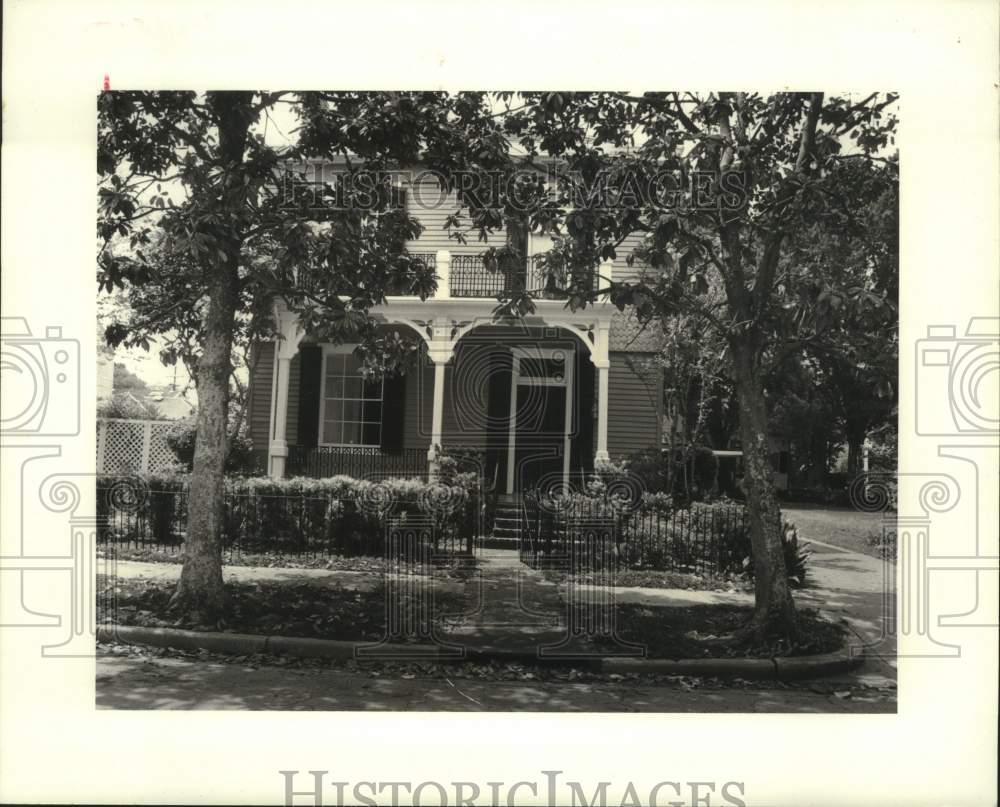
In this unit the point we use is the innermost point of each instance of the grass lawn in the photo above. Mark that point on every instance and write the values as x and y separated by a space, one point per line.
843 527
650 578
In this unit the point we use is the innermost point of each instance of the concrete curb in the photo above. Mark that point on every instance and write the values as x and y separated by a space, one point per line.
781 669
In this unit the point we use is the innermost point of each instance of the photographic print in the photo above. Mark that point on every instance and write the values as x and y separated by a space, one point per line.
499 401
536 404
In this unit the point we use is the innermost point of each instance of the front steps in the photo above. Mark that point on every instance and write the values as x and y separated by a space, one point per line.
506 526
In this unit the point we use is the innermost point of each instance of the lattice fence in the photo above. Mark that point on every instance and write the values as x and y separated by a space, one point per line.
133 446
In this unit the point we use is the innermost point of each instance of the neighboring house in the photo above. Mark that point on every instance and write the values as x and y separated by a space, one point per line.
538 398
170 402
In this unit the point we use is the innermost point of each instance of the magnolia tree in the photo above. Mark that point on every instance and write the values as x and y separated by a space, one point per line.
718 186
197 227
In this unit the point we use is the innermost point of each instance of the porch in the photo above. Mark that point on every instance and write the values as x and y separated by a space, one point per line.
528 397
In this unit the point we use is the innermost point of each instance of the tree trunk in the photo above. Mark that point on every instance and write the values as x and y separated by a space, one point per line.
855 444
200 589
774 611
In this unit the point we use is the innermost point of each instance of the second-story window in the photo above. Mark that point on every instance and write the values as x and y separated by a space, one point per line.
351 407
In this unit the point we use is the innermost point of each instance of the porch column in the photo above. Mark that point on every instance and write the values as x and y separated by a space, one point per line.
602 364
437 421
439 351
601 455
285 349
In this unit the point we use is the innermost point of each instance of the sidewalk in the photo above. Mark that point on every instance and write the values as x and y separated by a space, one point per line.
858 588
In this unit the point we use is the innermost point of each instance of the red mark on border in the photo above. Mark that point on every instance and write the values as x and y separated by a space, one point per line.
107 83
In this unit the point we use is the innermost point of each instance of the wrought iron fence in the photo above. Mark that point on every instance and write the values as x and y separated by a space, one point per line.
360 462
306 524
579 532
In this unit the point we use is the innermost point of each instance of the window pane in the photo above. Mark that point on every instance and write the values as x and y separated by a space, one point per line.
333 409
331 431
373 390
372 411
352 433
334 387
352 410
352 387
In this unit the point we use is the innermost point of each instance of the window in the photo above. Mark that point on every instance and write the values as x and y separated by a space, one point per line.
351 410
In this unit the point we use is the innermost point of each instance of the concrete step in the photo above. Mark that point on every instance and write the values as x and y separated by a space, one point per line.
507 522
500 542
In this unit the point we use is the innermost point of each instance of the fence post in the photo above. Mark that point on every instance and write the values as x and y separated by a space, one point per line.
147 440
102 442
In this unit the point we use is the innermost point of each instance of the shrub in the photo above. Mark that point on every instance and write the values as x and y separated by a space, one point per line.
796 557
300 514
146 508
240 458
127 407
695 474
706 471
649 466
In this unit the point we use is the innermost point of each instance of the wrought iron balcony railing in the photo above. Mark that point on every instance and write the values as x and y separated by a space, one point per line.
471 276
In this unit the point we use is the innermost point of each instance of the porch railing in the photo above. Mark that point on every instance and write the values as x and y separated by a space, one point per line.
461 275
471 276
359 462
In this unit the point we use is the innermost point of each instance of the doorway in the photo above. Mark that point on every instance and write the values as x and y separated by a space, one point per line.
540 416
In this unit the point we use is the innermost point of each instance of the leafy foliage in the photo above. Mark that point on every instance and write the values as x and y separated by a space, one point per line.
128 407
240 458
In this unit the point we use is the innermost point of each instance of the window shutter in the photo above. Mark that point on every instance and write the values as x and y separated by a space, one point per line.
310 386
393 411
582 436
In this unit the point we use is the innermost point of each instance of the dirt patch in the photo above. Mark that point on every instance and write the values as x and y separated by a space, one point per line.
338 563
302 609
709 631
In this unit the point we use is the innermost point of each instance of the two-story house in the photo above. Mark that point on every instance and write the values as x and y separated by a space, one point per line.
538 398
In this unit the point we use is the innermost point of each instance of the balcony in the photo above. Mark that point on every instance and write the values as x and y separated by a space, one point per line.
469 276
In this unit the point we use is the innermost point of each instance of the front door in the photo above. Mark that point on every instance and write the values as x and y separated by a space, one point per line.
539 416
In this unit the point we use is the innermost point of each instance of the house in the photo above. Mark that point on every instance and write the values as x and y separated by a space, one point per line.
169 402
538 398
